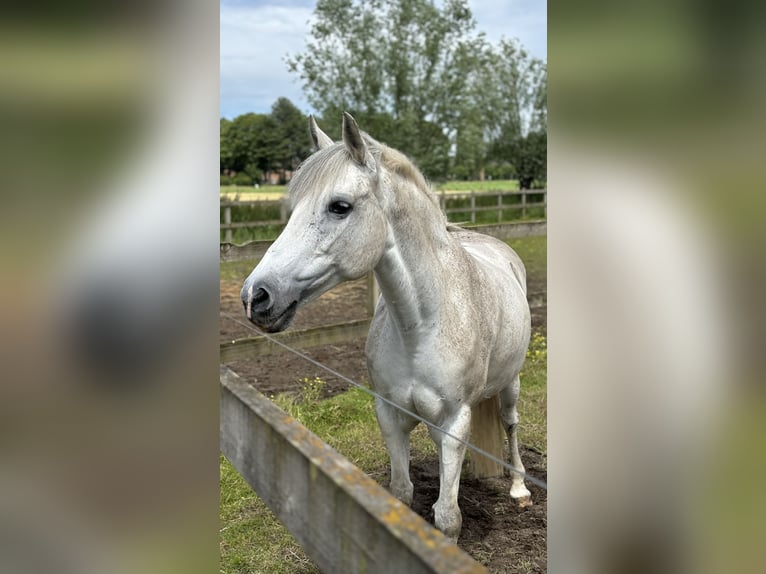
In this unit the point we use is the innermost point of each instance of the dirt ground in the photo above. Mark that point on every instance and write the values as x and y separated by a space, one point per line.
495 531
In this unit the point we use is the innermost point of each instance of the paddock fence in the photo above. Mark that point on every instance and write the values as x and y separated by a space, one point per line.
459 207
343 519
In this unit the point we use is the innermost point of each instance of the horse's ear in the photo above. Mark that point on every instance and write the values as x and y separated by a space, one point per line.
353 139
321 140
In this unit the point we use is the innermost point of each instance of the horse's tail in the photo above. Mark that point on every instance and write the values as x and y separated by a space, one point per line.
487 434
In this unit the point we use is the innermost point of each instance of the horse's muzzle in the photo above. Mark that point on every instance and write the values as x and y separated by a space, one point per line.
260 309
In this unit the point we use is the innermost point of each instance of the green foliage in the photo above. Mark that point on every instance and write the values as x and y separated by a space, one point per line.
242 179
500 171
417 76
532 159
293 143
257 143
254 172
226 180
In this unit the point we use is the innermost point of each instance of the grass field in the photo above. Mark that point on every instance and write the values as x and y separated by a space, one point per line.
253 540
249 193
463 186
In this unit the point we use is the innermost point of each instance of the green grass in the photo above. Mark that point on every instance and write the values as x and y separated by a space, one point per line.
235 270
264 189
252 540
534 253
495 185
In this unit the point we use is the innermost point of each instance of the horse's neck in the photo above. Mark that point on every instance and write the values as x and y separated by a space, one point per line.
415 265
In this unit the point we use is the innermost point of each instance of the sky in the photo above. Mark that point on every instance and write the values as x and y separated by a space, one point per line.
256 35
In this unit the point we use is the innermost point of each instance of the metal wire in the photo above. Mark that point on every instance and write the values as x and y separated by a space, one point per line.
369 391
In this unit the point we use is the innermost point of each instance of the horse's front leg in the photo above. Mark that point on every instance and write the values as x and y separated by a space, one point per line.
447 516
396 428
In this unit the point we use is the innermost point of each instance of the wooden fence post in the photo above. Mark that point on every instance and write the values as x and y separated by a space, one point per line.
499 206
227 221
473 207
523 204
283 210
373 293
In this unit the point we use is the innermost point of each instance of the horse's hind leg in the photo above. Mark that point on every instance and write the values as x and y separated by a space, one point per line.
510 418
396 428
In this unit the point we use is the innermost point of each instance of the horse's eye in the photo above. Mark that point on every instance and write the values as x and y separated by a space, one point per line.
340 208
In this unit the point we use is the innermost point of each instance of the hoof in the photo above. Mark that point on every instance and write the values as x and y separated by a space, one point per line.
452 539
521 495
449 520
524 501
403 494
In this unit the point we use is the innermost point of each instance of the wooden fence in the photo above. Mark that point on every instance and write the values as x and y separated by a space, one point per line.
524 205
344 520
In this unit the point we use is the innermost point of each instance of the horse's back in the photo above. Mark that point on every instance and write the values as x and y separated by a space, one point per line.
501 315
494 255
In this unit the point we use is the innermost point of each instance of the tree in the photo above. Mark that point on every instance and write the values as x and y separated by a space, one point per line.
257 143
517 100
249 139
292 142
417 76
226 152
531 159
398 65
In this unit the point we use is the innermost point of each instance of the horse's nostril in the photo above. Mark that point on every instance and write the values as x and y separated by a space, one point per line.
260 296
258 302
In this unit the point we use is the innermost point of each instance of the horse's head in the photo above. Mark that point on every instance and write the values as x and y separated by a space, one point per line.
336 232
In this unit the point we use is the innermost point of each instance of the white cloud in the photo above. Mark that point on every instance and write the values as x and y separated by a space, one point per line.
257 34
523 19
254 43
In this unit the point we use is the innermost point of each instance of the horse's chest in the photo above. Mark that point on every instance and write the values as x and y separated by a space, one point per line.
413 373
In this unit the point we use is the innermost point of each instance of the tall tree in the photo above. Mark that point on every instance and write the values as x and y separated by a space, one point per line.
292 142
513 98
226 151
399 65
417 75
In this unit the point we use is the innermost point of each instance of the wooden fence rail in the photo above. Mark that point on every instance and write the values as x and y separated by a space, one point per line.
500 207
260 346
344 520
